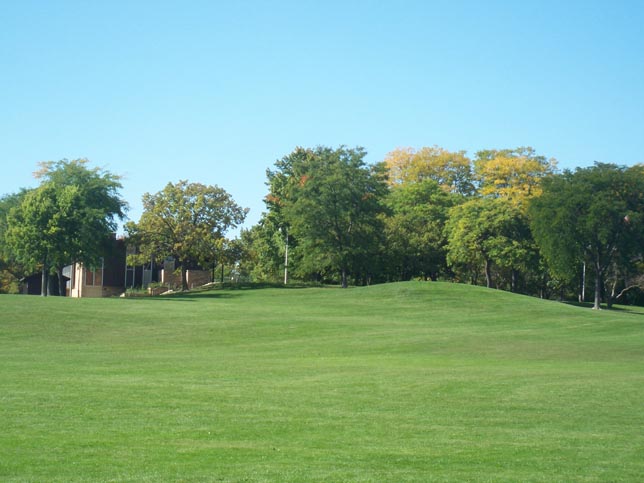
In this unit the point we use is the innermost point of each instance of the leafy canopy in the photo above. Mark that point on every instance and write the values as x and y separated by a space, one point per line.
451 170
515 174
415 228
593 215
68 218
187 221
331 200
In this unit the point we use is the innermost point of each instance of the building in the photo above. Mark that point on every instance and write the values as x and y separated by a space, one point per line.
32 285
112 276
106 280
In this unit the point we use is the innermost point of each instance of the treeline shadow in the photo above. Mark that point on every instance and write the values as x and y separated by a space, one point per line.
222 291
627 309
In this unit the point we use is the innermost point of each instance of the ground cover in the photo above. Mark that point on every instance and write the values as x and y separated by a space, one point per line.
400 382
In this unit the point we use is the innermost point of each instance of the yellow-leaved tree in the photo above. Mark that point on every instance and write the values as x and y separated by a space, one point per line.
514 174
451 170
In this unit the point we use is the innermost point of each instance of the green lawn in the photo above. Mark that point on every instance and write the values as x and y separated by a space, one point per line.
391 383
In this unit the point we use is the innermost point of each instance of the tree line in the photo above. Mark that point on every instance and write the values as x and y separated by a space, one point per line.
506 219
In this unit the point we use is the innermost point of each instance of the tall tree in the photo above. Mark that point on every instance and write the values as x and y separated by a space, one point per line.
331 200
68 218
186 221
40 231
593 215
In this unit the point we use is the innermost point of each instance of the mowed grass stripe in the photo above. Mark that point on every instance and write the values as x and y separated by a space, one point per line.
400 382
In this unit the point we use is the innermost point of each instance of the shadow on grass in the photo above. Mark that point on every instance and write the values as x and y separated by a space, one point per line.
265 285
219 291
184 296
229 289
191 296
628 309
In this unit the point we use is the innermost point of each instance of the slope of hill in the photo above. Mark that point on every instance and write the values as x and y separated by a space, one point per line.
400 382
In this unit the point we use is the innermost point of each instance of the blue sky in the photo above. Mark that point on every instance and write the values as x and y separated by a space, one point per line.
215 92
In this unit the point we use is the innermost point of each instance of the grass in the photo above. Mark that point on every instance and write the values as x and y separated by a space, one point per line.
400 382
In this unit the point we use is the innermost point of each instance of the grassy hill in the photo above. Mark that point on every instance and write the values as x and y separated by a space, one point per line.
400 382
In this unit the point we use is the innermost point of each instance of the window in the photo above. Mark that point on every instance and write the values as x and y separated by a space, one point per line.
94 276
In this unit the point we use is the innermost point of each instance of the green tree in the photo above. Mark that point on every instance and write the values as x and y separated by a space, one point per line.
68 218
593 215
415 229
331 202
490 232
263 247
11 270
93 195
39 229
187 221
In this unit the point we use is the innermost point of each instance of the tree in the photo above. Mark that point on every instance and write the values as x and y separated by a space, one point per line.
11 270
330 201
231 255
38 229
593 215
263 247
415 229
68 218
486 232
186 221
451 170
514 174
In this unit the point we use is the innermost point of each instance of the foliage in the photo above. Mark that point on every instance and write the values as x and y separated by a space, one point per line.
593 215
425 213
331 202
514 174
414 230
486 232
68 218
187 221
451 170
263 247
41 227
11 270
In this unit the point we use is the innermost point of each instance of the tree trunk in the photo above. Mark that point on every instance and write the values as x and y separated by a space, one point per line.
61 285
488 273
598 287
344 278
544 286
44 285
184 280
610 298
513 283
582 295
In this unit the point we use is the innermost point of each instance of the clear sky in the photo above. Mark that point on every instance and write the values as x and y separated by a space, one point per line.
215 92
